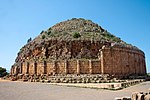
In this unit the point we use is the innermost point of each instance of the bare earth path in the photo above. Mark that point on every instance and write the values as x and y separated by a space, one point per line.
38 91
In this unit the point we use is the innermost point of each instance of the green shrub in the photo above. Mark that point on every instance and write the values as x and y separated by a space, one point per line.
116 39
50 28
30 39
76 35
3 72
43 36
48 33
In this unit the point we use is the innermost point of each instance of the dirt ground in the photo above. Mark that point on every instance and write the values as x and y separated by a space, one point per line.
40 91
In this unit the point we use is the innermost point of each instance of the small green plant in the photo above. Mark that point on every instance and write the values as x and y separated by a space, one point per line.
30 39
43 36
42 32
73 18
116 39
50 28
48 33
76 35
108 35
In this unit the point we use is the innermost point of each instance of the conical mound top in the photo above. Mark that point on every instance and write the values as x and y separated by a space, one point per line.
78 28
77 25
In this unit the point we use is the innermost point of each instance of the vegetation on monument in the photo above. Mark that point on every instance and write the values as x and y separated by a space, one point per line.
48 33
76 35
30 39
79 28
70 30
43 36
3 72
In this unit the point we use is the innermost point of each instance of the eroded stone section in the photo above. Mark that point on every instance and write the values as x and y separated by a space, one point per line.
120 62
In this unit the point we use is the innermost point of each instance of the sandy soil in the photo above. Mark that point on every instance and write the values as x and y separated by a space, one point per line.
40 91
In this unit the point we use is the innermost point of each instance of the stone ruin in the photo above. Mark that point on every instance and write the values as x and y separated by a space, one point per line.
136 96
78 47
141 95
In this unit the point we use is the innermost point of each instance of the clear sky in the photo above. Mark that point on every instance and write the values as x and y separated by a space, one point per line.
22 19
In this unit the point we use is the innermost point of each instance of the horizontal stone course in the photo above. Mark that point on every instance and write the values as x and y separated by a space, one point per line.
112 61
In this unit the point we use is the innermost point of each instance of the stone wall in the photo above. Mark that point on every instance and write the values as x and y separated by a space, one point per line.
72 67
96 67
50 67
59 67
123 61
116 61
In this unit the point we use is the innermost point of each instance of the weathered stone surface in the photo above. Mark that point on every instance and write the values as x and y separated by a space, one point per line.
93 51
140 96
147 97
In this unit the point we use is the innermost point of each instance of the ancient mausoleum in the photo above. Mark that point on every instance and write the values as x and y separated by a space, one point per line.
78 46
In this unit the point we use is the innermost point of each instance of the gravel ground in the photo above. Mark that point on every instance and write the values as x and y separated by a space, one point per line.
40 91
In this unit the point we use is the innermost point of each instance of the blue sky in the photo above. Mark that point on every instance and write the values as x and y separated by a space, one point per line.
22 19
